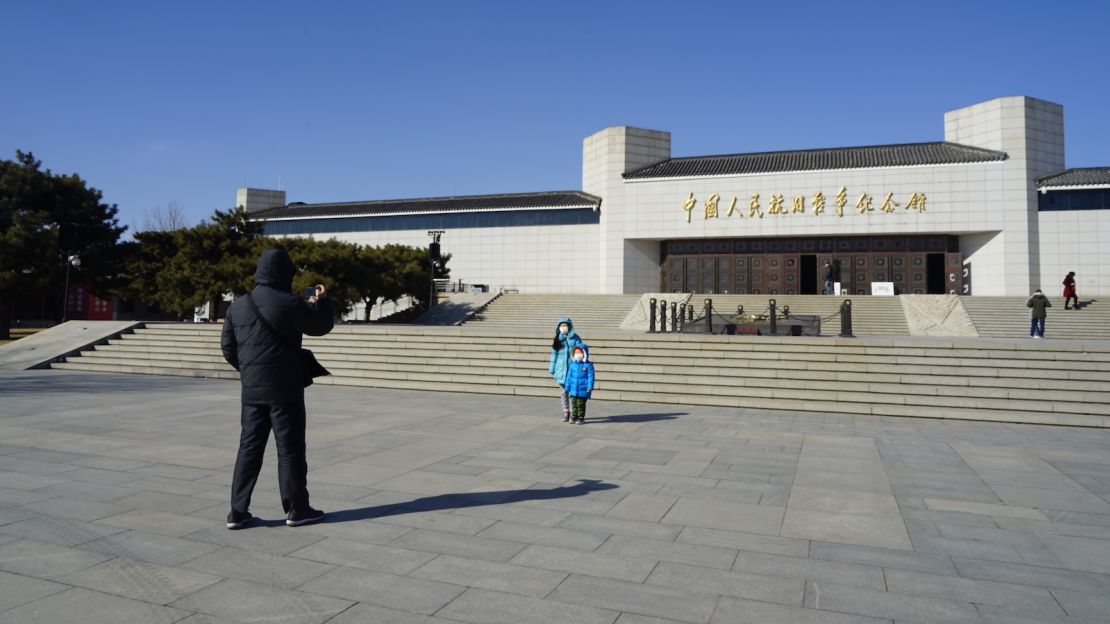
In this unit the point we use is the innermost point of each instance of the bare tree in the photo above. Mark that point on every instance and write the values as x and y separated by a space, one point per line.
167 219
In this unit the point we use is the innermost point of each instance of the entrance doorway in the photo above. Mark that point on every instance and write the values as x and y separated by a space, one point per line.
807 278
934 274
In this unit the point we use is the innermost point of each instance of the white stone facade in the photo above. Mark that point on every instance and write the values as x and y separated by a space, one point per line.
1008 246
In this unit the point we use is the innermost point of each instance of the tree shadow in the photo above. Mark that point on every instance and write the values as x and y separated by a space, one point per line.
637 418
467 499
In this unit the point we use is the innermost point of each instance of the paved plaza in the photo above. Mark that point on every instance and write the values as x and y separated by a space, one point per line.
488 509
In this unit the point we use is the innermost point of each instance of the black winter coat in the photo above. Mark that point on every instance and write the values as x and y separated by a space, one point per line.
270 371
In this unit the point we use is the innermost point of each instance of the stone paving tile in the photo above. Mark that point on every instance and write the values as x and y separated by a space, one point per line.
61 531
480 606
810 569
90 607
16 590
882 604
884 557
174 525
590 564
620 526
277 540
364 555
587 541
1037 576
459 545
76 508
257 567
385 590
735 611
373 614
502 577
737 584
1016 597
151 547
140 581
45 560
745 541
635 598
710 557
1089 606
713 514
248 602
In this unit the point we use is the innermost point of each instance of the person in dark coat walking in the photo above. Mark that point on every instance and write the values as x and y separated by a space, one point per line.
272 387
1038 306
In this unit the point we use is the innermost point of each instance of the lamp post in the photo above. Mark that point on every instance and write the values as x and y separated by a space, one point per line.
75 261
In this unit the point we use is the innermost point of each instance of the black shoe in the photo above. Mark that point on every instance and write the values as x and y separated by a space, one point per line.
237 520
566 418
301 518
581 420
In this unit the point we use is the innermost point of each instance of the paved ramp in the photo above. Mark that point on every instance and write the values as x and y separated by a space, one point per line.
46 346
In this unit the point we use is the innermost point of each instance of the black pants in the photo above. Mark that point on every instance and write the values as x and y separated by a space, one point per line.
288 424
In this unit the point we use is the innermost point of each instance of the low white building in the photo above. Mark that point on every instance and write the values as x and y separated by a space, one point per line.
990 210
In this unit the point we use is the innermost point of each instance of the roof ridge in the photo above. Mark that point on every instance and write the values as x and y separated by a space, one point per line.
409 200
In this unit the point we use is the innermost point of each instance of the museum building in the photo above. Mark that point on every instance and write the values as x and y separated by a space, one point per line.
990 210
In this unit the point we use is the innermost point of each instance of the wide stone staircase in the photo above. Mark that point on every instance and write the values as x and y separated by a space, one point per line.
1008 317
1052 382
881 316
544 311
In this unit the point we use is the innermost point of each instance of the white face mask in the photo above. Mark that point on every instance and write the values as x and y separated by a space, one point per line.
563 329
579 356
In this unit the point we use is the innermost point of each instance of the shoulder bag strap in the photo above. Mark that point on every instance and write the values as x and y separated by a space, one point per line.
281 337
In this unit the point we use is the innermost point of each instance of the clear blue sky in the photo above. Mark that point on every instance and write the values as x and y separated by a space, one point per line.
155 102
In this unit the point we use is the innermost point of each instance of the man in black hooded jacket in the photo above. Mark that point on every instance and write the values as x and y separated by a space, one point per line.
271 377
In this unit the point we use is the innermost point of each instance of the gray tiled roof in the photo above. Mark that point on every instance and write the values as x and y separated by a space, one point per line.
908 154
510 201
1086 176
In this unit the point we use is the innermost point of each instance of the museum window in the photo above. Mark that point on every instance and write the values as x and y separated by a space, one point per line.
1081 199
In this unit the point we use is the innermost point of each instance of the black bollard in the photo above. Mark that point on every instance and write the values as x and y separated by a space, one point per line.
651 316
846 319
663 316
709 316
774 317
690 312
681 317
739 310
674 316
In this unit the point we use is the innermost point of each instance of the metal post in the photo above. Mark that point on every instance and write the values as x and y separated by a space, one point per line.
774 317
651 316
846 319
663 316
65 292
674 316
709 316
689 312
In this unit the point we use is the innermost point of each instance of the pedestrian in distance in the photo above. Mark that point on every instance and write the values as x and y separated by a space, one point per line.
1038 306
828 279
579 383
261 339
1070 292
565 340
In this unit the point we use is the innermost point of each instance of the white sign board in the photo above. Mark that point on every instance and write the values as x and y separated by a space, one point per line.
882 288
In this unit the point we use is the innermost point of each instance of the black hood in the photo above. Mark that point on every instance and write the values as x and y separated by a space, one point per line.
275 269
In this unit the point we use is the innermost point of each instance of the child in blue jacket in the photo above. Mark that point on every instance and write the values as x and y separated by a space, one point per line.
579 383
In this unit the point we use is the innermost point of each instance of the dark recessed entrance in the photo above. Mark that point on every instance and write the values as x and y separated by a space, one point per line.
807 280
934 274
915 264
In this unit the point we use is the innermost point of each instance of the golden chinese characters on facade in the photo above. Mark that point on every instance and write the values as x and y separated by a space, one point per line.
777 204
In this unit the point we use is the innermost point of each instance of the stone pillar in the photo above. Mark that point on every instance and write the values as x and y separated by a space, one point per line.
1031 132
626 266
